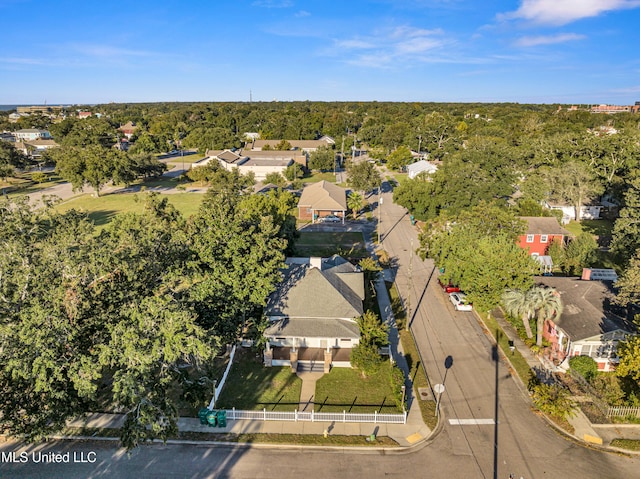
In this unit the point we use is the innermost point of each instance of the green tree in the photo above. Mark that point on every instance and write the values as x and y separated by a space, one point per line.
518 304
372 330
574 183
91 131
547 304
293 172
581 252
399 158
236 260
363 176
283 145
323 159
553 400
626 230
355 202
629 354
275 178
366 359
477 249
10 158
628 285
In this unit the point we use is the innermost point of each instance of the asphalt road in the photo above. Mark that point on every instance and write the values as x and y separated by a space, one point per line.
477 390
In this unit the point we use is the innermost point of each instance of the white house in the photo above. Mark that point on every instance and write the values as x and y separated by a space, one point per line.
30 134
422 166
587 212
260 163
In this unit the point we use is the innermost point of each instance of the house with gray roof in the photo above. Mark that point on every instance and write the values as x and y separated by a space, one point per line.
588 324
313 314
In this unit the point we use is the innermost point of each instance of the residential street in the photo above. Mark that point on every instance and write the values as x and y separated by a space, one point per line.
466 445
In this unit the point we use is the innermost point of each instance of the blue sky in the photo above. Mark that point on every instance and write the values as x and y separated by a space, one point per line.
527 51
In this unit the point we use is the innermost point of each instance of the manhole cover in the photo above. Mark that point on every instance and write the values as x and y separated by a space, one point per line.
425 393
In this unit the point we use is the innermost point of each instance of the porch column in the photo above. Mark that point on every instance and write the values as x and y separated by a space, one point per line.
327 360
268 356
293 359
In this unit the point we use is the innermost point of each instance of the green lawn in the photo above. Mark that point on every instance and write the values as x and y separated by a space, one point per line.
595 227
343 389
317 176
251 386
325 244
102 209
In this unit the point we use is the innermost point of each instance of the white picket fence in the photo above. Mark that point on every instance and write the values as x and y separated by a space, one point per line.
312 416
623 411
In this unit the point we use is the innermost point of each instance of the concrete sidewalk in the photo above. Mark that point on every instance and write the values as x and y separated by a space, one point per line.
583 429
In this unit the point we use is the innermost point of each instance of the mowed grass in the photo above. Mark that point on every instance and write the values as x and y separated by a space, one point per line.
344 389
104 208
251 386
316 176
325 244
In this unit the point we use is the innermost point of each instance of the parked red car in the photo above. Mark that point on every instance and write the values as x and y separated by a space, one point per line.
449 287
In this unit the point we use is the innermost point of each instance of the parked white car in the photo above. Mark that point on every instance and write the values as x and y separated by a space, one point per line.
329 219
460 303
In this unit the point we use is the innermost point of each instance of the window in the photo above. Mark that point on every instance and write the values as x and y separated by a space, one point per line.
529 238
544 238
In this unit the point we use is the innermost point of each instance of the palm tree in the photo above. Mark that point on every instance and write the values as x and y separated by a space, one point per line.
518 303
355 202
547 304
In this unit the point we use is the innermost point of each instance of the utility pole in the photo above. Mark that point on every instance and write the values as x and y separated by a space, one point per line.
380 200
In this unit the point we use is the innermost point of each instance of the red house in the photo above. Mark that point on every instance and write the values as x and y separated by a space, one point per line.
541 232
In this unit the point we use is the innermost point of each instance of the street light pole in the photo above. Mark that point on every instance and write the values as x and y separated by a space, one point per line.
380 200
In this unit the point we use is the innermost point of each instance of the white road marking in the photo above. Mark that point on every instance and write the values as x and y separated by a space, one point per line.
470 422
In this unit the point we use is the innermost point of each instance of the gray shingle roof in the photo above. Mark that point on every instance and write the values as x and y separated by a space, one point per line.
586 310
544 225
315 302
314 328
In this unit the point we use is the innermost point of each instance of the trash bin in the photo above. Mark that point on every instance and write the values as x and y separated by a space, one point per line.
202 414
212 418
222 418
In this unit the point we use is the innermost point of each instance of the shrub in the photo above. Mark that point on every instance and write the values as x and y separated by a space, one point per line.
608 388
585 366
366 359
396 377
553 400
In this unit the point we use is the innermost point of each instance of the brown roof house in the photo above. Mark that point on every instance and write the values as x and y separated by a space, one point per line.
320 200
313 314
588 326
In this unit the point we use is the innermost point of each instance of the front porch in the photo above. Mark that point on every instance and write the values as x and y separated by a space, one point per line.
307 357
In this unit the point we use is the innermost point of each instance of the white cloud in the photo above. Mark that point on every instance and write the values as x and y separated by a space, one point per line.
548 39
302 13
561 12
386 47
